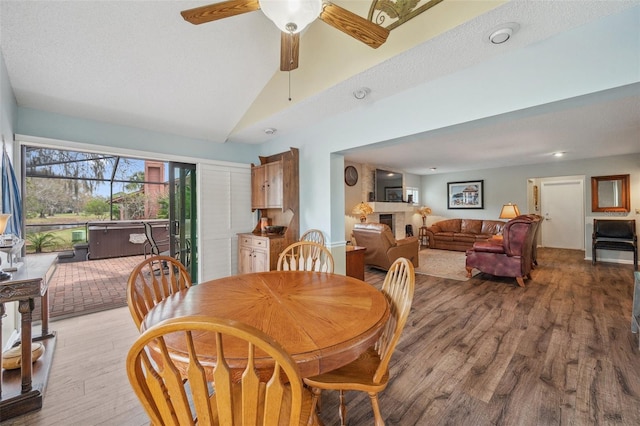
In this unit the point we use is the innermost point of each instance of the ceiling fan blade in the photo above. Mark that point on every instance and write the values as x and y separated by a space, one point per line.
354 25
289 48
221 10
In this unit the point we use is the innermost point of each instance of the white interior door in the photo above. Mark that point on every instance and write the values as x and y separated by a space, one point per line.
562 204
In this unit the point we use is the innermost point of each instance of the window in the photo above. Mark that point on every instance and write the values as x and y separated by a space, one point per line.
413 194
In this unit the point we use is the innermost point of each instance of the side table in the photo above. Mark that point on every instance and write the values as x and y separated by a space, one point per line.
22 390
355 261
422 237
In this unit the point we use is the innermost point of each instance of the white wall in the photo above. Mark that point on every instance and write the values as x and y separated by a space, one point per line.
38 123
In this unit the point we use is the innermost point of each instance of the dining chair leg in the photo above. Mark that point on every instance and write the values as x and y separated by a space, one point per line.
376 409
313 414
343 410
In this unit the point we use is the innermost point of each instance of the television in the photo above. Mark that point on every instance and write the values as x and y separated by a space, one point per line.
388 186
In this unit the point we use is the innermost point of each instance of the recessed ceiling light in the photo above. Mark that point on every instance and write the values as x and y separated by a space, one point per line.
361 93
270 131
502 33
433 169
558 154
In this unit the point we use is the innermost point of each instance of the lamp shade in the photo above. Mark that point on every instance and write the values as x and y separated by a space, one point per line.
4 220
509 211
363 209
291 16
424 211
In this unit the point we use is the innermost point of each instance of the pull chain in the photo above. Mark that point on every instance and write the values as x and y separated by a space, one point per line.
290 60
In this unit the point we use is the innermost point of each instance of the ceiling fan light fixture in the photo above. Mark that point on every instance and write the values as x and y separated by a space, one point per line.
291 16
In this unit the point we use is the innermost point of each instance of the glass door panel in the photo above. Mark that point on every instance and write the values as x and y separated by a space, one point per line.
182 215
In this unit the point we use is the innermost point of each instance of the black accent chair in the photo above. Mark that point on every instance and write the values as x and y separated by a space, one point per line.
611 234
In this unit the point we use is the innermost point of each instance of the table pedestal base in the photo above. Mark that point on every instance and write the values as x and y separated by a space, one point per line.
15 403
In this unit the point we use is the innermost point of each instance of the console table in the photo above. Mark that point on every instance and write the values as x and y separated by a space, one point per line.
22 390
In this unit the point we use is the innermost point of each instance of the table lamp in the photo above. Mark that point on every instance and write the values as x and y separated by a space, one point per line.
509 211
363 209
424 211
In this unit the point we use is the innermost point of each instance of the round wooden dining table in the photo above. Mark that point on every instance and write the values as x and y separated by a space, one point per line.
322 320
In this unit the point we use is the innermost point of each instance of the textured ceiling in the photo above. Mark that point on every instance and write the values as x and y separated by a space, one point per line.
137 63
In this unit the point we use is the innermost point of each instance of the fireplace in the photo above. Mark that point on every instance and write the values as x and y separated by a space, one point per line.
387 219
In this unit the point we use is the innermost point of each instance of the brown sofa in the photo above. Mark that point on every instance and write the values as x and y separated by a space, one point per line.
382 247
460 234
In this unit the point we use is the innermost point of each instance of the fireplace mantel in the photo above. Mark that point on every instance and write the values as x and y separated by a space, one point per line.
390 207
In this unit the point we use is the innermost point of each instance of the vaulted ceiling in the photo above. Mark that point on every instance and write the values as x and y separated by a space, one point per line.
138 63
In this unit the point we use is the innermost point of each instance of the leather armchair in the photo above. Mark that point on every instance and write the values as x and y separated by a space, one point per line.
382 247
537 222
512 257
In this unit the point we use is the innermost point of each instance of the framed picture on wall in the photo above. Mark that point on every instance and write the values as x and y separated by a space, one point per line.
393 193
466 194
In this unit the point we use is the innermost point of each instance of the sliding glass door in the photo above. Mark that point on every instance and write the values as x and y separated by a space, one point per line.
182 215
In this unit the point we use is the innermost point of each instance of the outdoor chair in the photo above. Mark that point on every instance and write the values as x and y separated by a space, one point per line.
154 245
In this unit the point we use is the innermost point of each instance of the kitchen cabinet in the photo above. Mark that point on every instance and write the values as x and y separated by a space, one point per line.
267 186
258 253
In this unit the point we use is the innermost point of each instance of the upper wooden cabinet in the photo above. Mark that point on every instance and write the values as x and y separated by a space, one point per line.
275 194
266 186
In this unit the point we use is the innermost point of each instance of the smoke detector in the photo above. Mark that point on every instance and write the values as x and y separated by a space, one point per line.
502 33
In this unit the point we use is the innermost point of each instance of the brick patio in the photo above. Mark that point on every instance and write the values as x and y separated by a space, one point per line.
81 288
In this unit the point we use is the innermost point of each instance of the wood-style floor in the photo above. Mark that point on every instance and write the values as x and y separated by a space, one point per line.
480 352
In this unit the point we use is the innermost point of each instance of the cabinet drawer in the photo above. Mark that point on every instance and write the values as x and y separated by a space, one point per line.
260 243
246 241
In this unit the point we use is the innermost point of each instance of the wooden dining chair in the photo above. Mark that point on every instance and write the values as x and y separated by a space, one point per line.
179 390
305 256
370 372
313 235
151 281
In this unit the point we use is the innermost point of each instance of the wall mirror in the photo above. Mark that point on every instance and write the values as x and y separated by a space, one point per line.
610 193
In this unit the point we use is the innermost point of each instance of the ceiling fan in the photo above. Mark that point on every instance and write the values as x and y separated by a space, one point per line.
292 16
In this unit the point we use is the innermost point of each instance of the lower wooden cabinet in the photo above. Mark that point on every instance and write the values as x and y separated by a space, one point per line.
258 253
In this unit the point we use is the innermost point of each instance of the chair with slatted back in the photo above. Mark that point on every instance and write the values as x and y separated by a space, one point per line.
370 372
178 390
313 235
151 281
305 256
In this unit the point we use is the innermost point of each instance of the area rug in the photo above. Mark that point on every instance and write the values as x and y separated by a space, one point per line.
443 264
